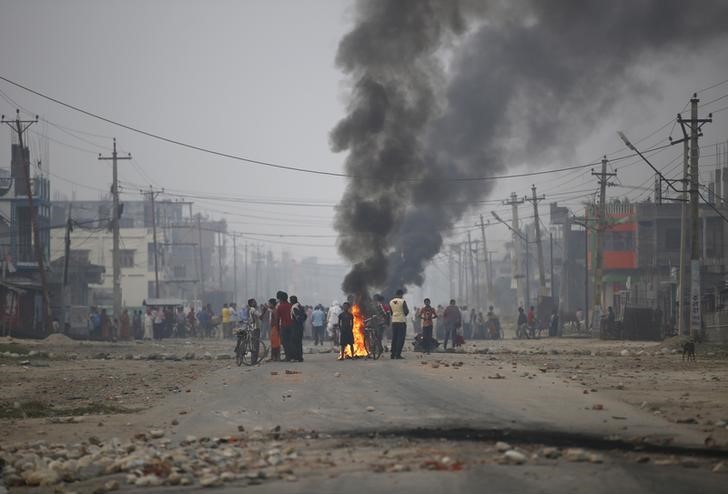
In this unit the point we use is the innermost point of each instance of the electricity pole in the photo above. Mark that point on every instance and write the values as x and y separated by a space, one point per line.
235 269
603 177
488 274
115 214
516 261
152 196
539 248
245 273
67 255
199 251
19 127
683 297
696 125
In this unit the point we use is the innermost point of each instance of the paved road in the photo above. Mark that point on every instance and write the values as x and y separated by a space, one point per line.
333 396
386 395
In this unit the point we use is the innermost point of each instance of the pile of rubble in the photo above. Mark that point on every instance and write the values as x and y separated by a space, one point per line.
150 459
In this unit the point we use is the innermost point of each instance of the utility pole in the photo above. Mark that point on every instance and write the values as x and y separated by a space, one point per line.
19 127
199 250
603 177
551 255
451 272
683 298
67 255
219 257
514 202
488 274
245 272
152 196
695 125
235 269
539 248
115 214
528 274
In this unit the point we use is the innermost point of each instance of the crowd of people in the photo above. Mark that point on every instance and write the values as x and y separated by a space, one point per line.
284 321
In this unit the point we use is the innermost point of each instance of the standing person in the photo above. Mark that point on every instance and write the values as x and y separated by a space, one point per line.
285 324
275 335
579 317
203 322
521 324
136 325
308 325
158 323
192 321
346 330
105 325
225 318
298 316
253 322
125 326
554 323
440 326
531 319
473 320
148 325
332 324
453 320
400 311
180 323
384 316
427 315
417 320
318 320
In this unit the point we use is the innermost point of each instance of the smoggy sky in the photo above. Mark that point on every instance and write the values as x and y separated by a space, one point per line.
258 79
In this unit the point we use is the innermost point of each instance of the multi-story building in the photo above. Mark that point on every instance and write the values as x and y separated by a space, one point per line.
642 255
189 261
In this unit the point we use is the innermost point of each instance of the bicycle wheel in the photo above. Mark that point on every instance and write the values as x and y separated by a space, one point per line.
240 351
378 348
252 357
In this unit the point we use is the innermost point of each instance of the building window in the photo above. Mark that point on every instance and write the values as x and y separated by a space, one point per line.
672 239
619 241
126 258
180 272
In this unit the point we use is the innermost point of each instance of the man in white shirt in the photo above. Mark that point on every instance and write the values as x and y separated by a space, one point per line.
399 323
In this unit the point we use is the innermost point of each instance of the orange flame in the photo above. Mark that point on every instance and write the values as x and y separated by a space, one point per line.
359 348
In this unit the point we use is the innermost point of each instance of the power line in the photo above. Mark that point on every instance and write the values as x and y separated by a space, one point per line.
278 165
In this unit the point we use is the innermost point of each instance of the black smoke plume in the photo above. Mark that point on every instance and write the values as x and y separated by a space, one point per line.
525 81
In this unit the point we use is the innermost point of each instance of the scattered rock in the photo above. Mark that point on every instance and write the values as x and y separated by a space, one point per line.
156 433
551 453
576 454
497 376
720 467
502 446
515 457
370 408
597 406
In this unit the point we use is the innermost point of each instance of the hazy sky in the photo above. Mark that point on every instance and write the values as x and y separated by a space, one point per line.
257 79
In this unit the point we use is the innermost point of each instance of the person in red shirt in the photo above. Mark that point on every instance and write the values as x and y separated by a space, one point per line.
427 315
285 324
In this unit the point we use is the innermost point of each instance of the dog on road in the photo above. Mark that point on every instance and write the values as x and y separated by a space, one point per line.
689 350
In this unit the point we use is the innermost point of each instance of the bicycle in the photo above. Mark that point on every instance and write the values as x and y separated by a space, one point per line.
372 342
245 348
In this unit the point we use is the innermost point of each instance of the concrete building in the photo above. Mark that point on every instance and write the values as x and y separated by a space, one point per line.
184 269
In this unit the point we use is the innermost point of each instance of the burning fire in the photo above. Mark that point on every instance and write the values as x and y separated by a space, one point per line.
359 348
